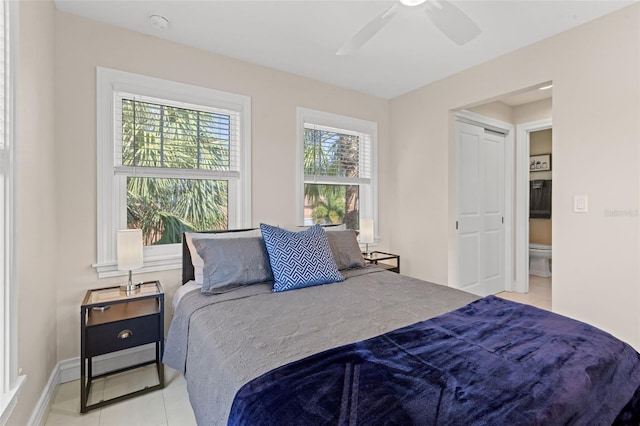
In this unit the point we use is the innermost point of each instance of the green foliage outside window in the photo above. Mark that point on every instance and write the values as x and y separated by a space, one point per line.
329 153
165 137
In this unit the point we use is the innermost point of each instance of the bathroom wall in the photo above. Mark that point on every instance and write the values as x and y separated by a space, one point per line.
540 143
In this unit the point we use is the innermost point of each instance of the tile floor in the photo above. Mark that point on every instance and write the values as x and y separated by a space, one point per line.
539 293
170 407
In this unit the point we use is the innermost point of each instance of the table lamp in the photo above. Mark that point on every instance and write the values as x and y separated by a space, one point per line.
130 254
366 233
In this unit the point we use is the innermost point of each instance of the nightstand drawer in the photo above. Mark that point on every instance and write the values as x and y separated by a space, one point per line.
115 336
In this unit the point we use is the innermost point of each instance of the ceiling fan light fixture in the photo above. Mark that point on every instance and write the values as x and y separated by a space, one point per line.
450 20
412 3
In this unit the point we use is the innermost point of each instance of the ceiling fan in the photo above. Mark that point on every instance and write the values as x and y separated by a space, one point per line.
449 19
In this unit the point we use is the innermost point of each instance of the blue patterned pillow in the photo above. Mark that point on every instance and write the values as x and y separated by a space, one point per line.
299 259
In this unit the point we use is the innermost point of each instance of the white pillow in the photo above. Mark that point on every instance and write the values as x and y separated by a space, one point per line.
197 261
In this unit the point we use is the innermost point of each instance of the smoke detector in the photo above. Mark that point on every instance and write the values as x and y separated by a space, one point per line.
159 21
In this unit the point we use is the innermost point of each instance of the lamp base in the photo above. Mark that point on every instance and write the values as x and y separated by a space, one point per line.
130 287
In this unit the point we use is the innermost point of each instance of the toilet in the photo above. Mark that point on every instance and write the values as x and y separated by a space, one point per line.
540 260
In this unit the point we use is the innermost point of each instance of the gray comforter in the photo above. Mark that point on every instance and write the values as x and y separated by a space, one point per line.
223 341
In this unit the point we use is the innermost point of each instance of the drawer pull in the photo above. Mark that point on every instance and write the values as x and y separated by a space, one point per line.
125 334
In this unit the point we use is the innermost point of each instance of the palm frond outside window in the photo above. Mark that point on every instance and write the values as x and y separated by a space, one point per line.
177 160
336 163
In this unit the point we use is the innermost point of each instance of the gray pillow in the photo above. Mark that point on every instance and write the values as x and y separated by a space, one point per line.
198 263
345 249
232 262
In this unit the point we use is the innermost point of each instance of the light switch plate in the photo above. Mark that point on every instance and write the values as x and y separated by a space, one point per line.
580 204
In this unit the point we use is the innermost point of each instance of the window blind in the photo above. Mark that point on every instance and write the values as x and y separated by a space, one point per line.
336 155
153 133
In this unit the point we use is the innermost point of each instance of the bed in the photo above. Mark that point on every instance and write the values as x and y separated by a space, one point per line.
382 348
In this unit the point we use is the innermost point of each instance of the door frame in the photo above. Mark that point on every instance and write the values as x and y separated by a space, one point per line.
507 129
523 150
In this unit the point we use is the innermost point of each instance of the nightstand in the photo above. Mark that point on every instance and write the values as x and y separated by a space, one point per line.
388 261
111 320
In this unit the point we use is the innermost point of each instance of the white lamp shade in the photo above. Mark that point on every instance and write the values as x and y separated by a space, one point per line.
129 246
366 231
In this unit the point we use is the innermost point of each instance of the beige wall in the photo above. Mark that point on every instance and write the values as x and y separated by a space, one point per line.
36 205
81 45
540 142
525 113
540 231
534 111
596 105
497 110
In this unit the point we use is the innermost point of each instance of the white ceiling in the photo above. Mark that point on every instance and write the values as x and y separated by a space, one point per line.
302 36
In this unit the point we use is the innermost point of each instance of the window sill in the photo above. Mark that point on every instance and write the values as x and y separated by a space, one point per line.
155 264
9 400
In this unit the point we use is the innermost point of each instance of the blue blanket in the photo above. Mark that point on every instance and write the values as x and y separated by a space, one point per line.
492 362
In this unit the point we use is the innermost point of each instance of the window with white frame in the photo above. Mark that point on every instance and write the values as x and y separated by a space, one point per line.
337 169
10 382
172 158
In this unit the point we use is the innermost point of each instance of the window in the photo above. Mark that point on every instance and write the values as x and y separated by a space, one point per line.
10 382
337 169
172 158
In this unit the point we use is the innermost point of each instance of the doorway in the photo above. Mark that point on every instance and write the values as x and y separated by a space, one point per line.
523 185
521 108
534 283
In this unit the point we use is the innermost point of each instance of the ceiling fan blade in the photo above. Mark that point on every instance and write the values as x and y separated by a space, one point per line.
453 22
368 31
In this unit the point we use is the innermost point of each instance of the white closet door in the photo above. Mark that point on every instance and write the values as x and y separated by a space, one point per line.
480 209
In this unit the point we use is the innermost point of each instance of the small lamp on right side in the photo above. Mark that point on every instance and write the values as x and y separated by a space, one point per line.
366 233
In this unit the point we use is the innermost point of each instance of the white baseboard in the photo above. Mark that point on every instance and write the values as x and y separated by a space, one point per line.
39 412
68 370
